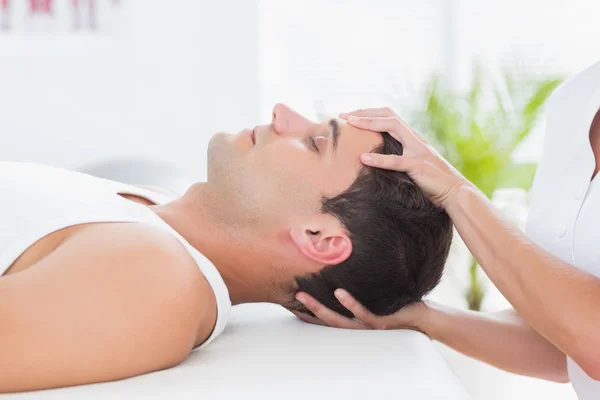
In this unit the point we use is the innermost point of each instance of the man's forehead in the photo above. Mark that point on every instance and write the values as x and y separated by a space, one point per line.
350 135
325 128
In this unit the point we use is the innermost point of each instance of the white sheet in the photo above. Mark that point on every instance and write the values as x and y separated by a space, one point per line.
266 353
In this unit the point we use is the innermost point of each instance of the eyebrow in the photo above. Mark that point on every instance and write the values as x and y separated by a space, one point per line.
335 133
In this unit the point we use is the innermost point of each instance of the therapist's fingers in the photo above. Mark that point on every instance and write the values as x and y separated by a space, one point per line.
390 161
370 112
384 112
360 312
393 125
307 318
328 316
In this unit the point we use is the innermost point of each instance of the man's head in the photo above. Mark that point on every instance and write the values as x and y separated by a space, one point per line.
331 222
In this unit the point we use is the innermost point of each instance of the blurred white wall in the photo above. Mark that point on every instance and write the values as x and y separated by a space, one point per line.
184 70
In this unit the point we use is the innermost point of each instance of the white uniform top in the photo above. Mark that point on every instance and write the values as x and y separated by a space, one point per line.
564 216
37 200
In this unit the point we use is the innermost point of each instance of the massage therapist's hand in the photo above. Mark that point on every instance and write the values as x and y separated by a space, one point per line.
409 317
434 175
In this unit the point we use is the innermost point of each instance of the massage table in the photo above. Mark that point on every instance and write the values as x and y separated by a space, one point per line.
267 353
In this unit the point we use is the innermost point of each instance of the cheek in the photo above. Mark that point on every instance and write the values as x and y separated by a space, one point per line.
288 177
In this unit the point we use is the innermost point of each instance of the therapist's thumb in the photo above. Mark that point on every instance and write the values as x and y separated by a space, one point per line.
387 161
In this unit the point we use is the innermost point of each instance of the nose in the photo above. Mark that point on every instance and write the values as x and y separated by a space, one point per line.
287 121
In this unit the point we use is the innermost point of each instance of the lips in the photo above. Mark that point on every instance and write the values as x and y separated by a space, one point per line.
253 136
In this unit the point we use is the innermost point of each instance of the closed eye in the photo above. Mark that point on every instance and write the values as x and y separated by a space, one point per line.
313 144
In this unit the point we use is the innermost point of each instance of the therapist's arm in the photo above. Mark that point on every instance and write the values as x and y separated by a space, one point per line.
557 299
502 339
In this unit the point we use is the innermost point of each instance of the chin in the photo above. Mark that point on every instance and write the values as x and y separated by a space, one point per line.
218 146
214 155
223 161
218 140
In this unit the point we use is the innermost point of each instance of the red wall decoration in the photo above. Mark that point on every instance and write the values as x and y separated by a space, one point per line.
84 13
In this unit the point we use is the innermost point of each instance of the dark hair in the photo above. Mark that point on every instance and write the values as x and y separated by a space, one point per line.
400 242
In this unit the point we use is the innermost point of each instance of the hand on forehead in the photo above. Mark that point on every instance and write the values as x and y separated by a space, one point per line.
355 140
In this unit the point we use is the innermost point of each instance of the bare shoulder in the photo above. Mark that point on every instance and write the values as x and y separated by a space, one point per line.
153 261
113 300
133 248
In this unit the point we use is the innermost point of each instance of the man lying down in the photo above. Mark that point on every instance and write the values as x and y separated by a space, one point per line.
101 280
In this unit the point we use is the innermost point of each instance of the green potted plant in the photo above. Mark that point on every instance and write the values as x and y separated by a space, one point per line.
478 130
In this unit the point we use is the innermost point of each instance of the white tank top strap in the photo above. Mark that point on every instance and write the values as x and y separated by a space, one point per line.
38 200
208 269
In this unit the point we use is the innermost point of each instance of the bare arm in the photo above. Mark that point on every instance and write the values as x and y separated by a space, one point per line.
113 301
502 339
557 299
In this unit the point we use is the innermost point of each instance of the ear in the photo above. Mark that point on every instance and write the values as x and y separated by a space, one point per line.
323 239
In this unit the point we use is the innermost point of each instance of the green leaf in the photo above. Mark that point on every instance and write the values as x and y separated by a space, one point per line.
517 176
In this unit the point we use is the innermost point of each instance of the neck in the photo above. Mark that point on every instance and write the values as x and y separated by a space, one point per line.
234 252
